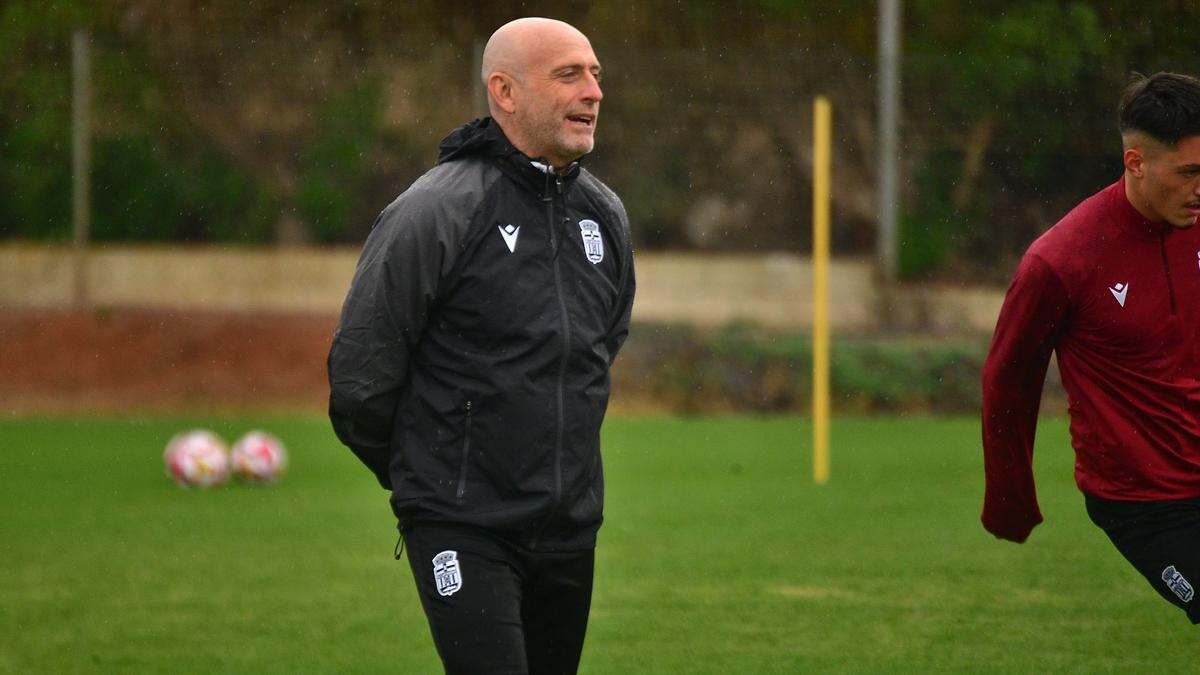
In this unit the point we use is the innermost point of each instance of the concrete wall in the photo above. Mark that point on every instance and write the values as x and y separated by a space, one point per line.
707 290
209 278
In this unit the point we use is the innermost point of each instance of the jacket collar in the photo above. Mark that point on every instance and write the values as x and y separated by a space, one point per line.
1129 218
484 138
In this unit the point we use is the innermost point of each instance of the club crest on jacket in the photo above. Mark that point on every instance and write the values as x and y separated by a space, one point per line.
593 244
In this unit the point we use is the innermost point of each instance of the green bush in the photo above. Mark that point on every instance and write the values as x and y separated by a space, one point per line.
334 168
928 233
138 194
743 368
140 191
35 165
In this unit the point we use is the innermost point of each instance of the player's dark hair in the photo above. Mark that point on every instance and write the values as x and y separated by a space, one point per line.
1166 106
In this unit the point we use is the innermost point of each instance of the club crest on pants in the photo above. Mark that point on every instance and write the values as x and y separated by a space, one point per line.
1177 583
446 574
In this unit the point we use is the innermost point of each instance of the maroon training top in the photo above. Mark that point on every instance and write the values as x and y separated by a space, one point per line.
1117 297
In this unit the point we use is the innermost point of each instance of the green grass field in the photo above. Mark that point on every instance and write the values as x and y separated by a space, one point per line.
719 555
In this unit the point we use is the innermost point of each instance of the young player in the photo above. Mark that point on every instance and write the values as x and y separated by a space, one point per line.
1113 289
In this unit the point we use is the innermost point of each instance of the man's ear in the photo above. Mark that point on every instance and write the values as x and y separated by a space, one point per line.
1135 161
501 88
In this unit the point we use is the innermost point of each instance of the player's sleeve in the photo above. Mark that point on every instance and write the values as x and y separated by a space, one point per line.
384 314
1035 311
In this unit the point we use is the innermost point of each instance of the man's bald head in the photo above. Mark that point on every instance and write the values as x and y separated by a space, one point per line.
543 84
515 45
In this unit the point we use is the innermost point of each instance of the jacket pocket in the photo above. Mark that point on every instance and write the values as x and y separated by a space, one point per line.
466 450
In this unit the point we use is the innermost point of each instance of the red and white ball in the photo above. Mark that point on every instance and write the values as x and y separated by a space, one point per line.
197 458
259 457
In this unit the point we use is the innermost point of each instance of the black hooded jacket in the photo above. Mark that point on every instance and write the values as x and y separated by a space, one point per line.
470 369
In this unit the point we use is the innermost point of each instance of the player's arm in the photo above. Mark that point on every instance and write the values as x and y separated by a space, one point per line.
385 312
1035 311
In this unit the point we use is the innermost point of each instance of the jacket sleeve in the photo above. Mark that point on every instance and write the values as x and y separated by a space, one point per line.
619 328
384 314
1035 311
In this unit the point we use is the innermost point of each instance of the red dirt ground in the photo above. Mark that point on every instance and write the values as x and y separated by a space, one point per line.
133 361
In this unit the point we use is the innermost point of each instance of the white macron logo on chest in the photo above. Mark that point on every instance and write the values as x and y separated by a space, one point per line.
510 233
1119 292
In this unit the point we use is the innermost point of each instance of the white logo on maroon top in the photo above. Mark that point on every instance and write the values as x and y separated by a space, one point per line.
1119 291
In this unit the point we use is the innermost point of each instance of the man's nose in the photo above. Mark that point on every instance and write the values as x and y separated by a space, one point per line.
592 91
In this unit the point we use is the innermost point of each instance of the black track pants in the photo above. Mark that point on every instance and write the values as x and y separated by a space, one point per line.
1162 540
495 607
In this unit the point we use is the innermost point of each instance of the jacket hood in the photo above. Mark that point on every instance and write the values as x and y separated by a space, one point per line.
479 137
484 138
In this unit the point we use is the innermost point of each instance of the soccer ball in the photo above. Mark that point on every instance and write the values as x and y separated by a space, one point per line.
197 458
259 457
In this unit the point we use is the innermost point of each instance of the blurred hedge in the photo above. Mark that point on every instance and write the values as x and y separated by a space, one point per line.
741 368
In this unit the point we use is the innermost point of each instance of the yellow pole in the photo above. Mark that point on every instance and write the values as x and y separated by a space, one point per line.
822 133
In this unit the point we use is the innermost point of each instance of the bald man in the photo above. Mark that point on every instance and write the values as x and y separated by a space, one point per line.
470 369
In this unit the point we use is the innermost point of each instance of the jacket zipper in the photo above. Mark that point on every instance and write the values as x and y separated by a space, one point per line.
562 363
462 471
1162 247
